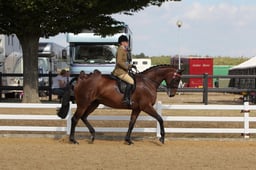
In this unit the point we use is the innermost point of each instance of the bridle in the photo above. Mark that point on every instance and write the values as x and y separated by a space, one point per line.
173 83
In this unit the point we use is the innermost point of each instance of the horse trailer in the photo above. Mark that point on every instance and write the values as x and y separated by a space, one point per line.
195 66
49 60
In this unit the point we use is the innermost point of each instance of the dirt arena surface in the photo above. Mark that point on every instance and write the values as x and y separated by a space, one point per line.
54 154
178 153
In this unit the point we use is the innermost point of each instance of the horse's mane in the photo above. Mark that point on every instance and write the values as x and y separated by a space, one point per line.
156 66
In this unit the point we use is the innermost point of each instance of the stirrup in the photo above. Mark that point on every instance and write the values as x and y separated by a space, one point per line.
127 102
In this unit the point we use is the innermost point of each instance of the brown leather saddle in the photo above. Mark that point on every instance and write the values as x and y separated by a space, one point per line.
122 84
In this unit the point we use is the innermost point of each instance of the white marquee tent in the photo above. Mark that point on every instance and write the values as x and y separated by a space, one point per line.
251 63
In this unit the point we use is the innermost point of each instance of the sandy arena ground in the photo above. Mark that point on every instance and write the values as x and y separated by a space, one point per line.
44 153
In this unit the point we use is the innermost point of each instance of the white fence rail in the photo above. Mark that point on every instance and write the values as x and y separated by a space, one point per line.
244 118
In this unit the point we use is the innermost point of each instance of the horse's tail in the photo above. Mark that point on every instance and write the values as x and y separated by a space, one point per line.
63 111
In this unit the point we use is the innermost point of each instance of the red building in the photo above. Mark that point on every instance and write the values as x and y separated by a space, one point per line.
195 66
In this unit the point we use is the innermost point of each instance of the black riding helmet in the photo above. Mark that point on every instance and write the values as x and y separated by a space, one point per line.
122 38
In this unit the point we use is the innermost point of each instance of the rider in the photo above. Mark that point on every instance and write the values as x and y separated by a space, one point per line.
122 66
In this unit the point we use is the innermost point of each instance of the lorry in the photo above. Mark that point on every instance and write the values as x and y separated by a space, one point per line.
89 51
8 44
49 60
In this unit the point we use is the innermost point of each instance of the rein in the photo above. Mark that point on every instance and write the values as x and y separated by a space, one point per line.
146 78
175 76
172 83
155 82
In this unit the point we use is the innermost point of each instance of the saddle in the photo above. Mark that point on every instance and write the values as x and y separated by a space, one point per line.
122 84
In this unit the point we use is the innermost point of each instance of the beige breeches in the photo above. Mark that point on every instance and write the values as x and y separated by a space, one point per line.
126 78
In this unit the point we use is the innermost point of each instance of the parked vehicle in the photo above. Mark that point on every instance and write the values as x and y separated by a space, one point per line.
141 63
49 60
89 51
195 66
8 44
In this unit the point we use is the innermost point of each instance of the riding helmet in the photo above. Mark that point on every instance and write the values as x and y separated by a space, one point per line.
122 38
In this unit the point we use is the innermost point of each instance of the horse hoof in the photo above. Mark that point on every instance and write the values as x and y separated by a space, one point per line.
129 142
161 140
73 141
92 139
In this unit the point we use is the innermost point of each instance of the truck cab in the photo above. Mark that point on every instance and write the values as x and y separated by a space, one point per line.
89 51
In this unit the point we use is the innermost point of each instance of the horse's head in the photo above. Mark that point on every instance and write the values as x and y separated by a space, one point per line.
172 82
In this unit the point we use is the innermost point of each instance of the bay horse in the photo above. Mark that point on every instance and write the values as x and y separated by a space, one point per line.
102 89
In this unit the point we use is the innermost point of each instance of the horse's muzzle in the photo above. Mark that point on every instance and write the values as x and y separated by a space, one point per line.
170 92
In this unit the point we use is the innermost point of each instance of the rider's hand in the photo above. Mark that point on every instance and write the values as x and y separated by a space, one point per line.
134 66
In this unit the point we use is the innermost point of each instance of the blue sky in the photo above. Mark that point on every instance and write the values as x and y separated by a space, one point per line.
210 27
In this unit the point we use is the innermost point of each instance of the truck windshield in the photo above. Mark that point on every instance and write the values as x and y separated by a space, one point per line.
94 54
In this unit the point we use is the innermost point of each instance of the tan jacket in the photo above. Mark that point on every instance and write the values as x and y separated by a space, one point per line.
121 62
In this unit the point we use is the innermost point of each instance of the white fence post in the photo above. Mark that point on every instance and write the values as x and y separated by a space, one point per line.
69 119
246 111
159 111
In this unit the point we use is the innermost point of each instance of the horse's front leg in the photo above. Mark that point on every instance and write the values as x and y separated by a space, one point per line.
90 109
152 112
162 131
134 116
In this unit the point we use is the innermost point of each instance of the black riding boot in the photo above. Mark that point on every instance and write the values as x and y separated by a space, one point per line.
127 95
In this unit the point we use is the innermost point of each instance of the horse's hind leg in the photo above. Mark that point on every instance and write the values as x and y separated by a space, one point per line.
74 121
152 112
91 108
91 129
134 116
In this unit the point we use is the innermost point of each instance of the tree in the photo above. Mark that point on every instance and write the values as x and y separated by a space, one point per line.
141 55
32 19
